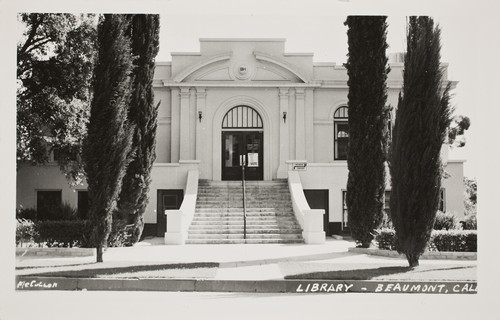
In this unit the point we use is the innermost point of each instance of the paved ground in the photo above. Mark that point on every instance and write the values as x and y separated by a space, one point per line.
152 259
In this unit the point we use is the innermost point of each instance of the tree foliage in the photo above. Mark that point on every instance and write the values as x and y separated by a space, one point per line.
456 131
422 117
109 137
470 196
55 59
144 34
368 119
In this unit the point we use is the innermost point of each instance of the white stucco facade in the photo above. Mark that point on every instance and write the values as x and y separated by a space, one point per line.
295 98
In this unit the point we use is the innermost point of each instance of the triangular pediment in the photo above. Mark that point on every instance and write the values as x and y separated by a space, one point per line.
221 74
267 74
259 67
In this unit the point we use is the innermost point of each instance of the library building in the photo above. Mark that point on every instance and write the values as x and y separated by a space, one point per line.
251 148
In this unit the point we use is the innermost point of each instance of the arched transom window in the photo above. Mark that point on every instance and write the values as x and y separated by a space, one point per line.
242 117
341 133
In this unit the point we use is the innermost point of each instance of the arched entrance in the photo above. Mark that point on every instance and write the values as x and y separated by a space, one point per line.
242 141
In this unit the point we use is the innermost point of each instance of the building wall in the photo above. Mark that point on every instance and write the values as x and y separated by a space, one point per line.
454 188
209 83
31 179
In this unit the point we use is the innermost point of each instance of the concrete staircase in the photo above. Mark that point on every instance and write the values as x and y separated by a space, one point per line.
219 213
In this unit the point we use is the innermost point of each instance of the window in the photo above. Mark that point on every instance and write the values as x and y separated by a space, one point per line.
344 209
387 202
387 208
341 133
242 117
389 126
442 202
47 202
83 204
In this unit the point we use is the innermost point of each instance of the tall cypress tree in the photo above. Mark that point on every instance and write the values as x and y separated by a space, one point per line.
109 136
144 33
422 117
368 116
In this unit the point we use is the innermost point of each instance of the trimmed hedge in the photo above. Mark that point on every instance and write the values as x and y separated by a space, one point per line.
386 239
470 222
445 221
68 233
63 233
25 232
455 240
441 240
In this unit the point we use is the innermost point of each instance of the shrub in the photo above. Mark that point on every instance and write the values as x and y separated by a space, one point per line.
470 222
120 235
68 233
445 221
63 212
25 232
455 240
26 213
386 239
441 240
63 233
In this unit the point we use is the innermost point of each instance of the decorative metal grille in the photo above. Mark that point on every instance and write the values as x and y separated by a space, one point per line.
242 117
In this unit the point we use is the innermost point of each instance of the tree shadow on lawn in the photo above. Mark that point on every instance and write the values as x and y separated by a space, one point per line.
367 274
95 272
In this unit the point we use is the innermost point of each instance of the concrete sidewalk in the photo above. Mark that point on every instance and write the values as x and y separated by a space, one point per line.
239 261
293 268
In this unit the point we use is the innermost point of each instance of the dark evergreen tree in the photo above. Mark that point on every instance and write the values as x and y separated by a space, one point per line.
422 117
109 137
144 33
368 118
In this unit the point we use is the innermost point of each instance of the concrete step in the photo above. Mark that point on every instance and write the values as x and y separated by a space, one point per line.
219 213
243 241
240 210
241 218
250 223
193 232
229 236
272 213
239 227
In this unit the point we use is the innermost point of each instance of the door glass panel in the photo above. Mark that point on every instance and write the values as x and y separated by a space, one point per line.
231 151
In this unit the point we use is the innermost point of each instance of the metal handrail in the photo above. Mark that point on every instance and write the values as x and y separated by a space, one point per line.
244 198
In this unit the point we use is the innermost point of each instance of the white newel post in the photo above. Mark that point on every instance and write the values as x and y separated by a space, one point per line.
311 220
178 221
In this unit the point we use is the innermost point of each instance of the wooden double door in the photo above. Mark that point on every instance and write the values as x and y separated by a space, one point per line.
242 147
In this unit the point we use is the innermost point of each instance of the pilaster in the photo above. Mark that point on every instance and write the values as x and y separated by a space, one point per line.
200 121
309 125
300 141
283 138
184 124
175 126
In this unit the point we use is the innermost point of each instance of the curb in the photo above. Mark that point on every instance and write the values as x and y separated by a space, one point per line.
428 255
266 286
60 252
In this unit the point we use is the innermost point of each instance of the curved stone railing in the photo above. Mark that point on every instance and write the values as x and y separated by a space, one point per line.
178 221
311 220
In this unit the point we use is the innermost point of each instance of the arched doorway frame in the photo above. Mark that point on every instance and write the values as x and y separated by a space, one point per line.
217 133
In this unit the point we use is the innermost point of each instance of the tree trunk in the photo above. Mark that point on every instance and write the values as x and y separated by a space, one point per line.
412 260
99 254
